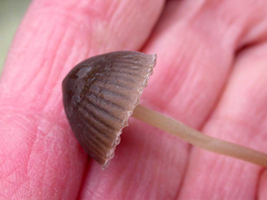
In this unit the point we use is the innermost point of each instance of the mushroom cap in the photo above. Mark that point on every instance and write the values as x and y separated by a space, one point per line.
99 96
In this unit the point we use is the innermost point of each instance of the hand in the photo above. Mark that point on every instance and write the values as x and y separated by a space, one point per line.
211 74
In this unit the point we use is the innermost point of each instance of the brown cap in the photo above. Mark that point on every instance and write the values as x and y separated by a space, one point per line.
99 96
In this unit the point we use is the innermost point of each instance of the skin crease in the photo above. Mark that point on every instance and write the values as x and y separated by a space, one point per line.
211 74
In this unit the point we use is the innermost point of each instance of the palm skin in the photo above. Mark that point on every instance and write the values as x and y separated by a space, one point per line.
211 74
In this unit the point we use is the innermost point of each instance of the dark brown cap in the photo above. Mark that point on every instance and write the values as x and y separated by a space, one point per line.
99 96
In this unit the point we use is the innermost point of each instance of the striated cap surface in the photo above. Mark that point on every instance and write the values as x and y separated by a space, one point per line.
99 96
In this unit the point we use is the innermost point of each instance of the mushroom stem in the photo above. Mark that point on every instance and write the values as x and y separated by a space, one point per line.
198 139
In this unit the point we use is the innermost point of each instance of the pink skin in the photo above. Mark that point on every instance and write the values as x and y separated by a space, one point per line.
211 74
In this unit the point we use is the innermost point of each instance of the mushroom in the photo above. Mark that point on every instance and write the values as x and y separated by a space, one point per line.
102 92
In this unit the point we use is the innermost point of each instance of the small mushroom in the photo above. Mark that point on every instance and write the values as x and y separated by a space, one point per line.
102 92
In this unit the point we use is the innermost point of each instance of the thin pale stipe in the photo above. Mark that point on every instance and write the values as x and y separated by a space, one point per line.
198 139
